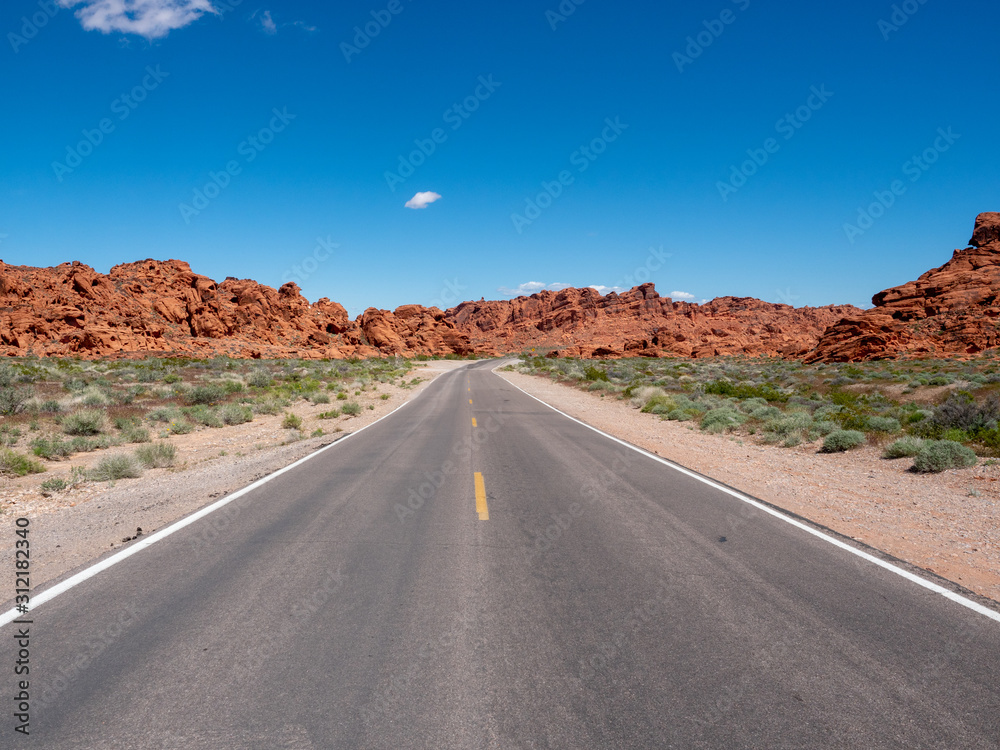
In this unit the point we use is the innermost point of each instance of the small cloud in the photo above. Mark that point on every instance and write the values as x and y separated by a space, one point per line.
531 287
302 25
148 18
681 295
267 24
422 200
606 290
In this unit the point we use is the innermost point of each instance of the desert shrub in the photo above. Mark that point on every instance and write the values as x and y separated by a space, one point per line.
659 403
110 468
906 447
206 394
232 386
722 419
51 448
171 377
592 373
18 464
825 427
157 455
884 424
50 406
181 427
135 434
13 400
291 421
765 391
748 405
319 398
351 408
203 415
84 422
260 378
960 411
843 440
342 396
56 484
788 423
164 414
955 435
764 413
940 455
235 414
9 436
268 406
332 414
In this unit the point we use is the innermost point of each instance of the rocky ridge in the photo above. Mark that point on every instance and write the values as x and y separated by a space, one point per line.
950 311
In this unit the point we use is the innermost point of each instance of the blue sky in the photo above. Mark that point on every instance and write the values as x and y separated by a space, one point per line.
581 143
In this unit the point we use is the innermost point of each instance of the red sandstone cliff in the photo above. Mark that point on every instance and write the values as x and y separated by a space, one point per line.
951 311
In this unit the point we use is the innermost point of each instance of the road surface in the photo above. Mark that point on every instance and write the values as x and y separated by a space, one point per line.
522 583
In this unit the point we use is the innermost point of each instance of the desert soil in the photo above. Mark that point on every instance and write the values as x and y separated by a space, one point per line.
946 523
76 526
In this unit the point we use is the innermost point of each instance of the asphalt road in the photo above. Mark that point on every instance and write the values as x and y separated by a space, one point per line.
608 601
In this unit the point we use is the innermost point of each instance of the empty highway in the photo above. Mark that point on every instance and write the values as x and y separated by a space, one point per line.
479 571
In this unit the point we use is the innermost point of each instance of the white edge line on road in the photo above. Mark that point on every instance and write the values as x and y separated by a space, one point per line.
93 570
958 598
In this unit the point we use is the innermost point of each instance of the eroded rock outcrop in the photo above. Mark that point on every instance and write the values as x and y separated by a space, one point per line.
950 311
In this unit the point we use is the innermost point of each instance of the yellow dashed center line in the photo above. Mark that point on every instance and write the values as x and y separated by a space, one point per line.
470 400
481 508
474 422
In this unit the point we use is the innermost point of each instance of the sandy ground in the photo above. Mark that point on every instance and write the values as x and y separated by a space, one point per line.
946 523
76 526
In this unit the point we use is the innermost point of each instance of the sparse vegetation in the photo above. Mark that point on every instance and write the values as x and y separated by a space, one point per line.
17 464
110 468
940 455
157 455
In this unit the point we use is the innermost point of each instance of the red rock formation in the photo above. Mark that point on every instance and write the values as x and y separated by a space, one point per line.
580 322
951 311
162 307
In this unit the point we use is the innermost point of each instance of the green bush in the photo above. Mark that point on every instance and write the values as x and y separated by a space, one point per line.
206 395
260 378
722 419
765 391
332 414
17 464
788 423
110 468
85 422
319 398
135 435
291 421
13 400
940 455
203 415
181 427
165 414
592 373
884 424
843 440
51 448
56 484
906 447
267 406
235 414
342 396
157 455
352 408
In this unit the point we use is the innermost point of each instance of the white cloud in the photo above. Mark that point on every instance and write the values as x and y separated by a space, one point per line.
681 295
531 287
605 290
267 23
422 200
148 18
